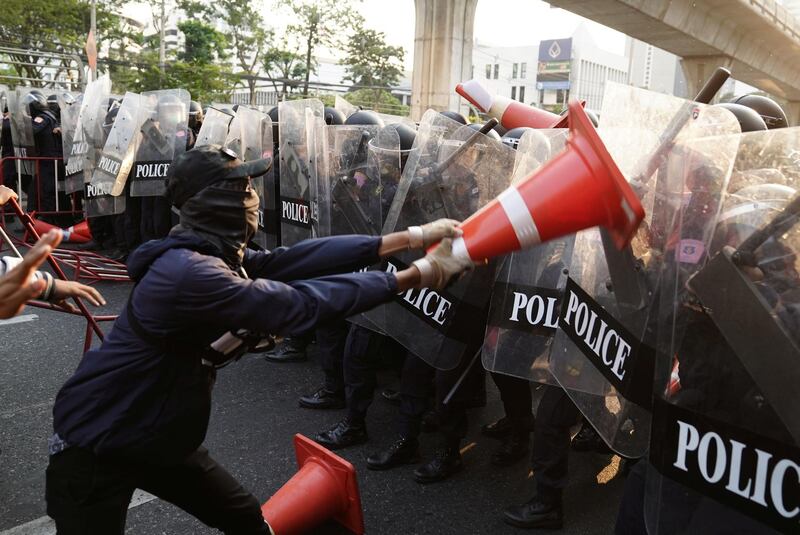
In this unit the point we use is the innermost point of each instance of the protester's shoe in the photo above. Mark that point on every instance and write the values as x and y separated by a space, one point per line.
444 464
536 513
430 422
499 429
289 350
117 255
343 435
391 395
404 451
587 439
323 399
515 447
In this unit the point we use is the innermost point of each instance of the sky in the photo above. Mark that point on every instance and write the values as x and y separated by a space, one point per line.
497 23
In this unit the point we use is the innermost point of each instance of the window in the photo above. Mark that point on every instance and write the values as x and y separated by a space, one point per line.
514 69
488 71
523 67
496 70
513 92
522 93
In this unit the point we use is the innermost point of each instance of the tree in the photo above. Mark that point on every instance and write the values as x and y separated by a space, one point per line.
379 100
283 63
370 61
57 26
320 23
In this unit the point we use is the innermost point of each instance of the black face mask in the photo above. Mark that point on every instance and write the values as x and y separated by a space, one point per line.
225 214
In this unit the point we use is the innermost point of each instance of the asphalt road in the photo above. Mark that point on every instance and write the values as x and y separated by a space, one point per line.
254 419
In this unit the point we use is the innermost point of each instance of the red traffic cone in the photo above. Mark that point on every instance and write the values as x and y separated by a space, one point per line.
510 113
324 487
69 235
81 228
579 188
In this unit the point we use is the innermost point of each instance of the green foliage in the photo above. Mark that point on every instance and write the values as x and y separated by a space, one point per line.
203 43
283 62
379 100
370 61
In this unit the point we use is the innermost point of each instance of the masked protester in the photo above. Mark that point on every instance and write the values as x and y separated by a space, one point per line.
136 411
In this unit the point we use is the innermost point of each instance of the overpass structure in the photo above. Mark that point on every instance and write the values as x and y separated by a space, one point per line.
759 40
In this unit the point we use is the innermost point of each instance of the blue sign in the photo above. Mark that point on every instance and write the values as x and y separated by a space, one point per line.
555 50
564 84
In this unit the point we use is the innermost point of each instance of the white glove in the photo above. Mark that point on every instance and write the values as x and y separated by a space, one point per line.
440 266
426 235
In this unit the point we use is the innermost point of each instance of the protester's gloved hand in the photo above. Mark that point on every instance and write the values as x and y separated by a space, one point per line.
439 266
426 235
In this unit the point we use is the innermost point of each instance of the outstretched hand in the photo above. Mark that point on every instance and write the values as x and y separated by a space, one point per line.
17 287
6 194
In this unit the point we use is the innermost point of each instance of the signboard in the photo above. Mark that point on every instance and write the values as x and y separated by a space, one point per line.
563 84
552 50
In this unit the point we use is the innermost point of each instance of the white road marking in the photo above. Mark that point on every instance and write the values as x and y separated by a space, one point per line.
19 319
46 526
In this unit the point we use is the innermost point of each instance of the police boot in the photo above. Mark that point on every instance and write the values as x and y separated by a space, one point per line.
445 463
403 451
323 399
343 434
538 513
515 447
587 439
289 350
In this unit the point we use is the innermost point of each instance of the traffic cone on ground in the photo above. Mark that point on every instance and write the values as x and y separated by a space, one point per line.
75 234
579 188
325 487
510 113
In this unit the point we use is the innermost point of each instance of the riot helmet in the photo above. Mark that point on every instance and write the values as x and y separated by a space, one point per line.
273 115
768 109
364 117
492 134
196 114
170 110
749 119
512 137
454 115
35 102
333 116
112 102
52 105
407 136
108 121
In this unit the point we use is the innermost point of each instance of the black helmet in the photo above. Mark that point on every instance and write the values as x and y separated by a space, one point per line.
365 117
768 109
273 115
333 116
454 115
35 101
406 134
492 134
749 119
108 121
195 114
111 103
512 137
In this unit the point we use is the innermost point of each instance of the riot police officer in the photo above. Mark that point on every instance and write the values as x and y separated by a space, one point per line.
42 196
195 117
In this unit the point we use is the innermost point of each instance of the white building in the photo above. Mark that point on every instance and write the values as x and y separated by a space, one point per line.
654 69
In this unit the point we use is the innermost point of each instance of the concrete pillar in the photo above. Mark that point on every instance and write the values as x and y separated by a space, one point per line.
697 70
792 110
442 53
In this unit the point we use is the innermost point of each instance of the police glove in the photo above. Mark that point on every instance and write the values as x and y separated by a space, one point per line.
430 233
439 266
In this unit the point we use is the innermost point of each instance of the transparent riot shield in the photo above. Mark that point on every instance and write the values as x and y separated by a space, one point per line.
104 194
3 105
214 130
299 119
164 116
349 172
70 105
268 235
76 153
523 315
344 106
724 454
452 172
602 354
22 130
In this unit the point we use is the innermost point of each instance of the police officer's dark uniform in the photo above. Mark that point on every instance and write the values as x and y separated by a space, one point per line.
47 146
8 171
135 413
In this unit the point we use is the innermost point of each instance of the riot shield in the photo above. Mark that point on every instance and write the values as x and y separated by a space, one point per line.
268 235
602 354
452 172
350 163
724 454
344 106
214 130
22 130
75 155
164 119
104 194
70 105
523 314
299 119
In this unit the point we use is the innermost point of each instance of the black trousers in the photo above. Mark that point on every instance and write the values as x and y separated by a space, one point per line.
516 396
331 340
551 439
360 366
89 495
156 218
